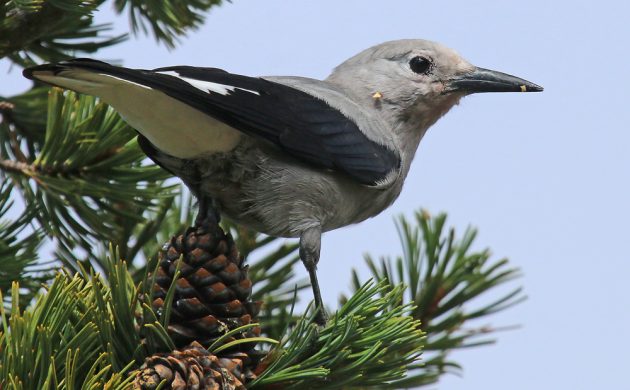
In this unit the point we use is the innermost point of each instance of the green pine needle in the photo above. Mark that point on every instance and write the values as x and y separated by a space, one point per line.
85 192
78 333
19 250
167 19
368 342
35 30
445 276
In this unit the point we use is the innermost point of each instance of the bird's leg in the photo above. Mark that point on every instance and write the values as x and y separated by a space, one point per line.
310 244
208 211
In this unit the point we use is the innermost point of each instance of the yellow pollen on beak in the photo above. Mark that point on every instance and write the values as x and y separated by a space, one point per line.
523 88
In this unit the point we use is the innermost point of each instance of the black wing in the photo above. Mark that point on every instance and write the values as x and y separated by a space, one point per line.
304 126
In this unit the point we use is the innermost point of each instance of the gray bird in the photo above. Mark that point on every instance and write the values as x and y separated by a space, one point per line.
289 156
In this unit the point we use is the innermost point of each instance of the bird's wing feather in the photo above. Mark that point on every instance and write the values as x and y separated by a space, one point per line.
304 126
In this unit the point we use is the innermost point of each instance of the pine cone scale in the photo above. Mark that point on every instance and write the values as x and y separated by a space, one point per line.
213 291
193 368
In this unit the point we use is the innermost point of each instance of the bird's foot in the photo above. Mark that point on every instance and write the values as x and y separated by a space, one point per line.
310 243
208 213
321 317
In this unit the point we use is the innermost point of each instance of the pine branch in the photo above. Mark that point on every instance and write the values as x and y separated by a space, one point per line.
17 167
53 30
87 181
50 30
369 342
167 19
18 250
372 341
79 333
444 276
25 23
23 122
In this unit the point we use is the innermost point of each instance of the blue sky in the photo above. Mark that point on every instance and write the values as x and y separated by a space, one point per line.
543 176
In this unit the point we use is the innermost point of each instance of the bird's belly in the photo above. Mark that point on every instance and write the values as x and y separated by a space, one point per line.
290 218
281 199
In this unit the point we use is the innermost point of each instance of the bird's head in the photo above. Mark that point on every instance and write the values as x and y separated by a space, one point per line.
419 80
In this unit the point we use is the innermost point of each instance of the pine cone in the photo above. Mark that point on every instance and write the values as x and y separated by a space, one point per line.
193 368
213 292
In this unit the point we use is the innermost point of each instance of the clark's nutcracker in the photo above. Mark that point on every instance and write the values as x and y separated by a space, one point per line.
289 156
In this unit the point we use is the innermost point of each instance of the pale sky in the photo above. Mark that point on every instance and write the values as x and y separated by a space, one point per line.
543 176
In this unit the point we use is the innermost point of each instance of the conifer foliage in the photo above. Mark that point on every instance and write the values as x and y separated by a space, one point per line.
106 282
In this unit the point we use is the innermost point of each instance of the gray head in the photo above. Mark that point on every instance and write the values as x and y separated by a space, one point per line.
418 81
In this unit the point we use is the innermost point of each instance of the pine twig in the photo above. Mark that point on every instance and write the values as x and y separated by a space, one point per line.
16 167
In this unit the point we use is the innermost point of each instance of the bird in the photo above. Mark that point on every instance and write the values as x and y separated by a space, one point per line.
289 156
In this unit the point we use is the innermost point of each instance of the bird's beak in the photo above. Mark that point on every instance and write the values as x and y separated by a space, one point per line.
486 80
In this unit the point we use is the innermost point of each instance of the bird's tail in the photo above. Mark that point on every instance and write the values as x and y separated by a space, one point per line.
82 75
169 111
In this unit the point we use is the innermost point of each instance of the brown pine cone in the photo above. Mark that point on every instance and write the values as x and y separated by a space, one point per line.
213 292
193 368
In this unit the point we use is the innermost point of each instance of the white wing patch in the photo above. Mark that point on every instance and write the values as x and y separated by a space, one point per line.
126 81
208 86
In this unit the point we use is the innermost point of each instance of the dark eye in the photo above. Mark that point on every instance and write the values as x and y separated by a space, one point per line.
420 65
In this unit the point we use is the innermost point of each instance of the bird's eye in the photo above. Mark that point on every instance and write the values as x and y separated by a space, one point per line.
420 65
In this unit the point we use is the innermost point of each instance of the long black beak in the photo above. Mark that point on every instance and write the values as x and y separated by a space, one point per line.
486 80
